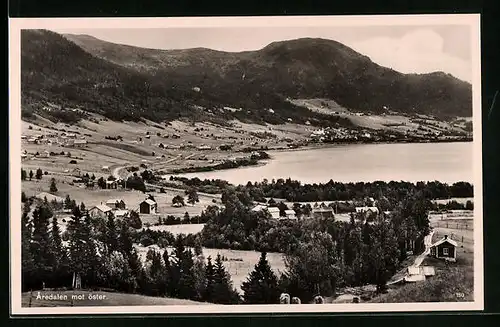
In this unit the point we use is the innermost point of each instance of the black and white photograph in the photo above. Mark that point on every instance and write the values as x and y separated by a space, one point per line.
245 164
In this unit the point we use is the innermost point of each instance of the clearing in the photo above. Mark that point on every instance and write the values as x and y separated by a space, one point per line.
238 263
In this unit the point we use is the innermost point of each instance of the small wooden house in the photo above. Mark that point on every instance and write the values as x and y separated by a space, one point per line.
148 206
445 249
101 211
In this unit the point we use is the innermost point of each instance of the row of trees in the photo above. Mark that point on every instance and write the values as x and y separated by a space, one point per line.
38 174
186 219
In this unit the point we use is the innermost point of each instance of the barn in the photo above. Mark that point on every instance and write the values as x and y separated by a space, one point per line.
445 248
147 206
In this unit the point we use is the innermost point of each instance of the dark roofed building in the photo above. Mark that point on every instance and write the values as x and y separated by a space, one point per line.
445 248
148 206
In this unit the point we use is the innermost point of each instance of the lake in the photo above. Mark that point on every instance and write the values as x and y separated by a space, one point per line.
412 162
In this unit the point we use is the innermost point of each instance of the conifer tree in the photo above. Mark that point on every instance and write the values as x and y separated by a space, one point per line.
136 270
199 276
187 289
41 245
170 289
67 202
31 174
208 293
39 173
111 234
261 286
82 249
224 293
53 186
60 258
24 175
155 273
28 262
125 243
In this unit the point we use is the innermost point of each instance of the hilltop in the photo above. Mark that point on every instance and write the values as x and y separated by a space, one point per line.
125 82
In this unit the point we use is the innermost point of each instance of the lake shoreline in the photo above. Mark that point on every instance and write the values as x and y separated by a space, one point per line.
266 161
447 162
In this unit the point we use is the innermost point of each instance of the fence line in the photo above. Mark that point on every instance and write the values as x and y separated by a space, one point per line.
453 225
458 238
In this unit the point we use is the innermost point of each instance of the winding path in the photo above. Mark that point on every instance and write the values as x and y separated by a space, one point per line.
419 259
115 172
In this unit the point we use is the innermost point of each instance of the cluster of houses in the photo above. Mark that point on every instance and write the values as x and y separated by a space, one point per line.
62 139
118 208
317 211
275 212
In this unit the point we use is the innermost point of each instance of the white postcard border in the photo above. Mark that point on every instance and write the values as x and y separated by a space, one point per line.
16 24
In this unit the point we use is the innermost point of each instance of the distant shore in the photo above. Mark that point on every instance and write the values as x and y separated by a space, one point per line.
256 162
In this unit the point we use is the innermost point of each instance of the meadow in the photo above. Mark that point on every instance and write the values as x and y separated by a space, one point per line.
238 263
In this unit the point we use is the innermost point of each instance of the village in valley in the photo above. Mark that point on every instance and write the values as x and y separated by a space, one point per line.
83 166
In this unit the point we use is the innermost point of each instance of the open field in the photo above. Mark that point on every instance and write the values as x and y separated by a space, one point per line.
388 121
141 143
238 263
464 238
459 200
179 229
81 298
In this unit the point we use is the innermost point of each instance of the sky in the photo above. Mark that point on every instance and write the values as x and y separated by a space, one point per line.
408 49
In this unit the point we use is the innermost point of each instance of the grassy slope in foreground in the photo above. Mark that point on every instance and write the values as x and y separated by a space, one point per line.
111 299
454 283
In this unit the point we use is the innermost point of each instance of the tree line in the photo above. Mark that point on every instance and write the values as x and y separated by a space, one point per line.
295 191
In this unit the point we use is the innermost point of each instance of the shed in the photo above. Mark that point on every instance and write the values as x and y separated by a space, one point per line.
445 248
148 206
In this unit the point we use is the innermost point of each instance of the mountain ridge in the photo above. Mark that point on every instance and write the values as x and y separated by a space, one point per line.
253 80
